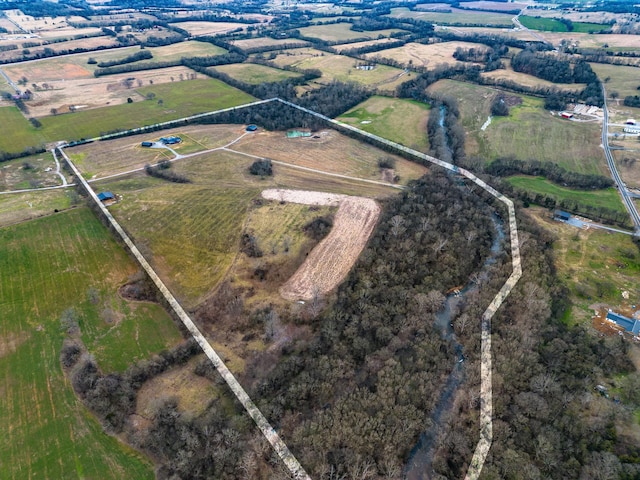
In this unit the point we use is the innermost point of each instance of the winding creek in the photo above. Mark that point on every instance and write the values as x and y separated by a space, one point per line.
418 466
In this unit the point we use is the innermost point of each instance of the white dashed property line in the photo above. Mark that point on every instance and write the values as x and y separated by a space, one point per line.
268 431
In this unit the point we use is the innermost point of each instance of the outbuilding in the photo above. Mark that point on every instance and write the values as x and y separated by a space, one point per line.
147 144
562 216
106 197
566 115
630 121
251 128
170 140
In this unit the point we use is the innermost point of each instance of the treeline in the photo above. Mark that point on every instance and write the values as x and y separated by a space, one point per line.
552 68
363 387
163 171
507 166
50 52
141 55
446 134
631 101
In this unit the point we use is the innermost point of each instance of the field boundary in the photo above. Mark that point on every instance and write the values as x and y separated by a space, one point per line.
263 424
486 395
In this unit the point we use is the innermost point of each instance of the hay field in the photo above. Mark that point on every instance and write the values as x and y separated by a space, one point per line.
457 16
254 73
529 132
343 68
489 5
20 207
528 80
341 32
266 42
621 79
424 55
208 28
332 152
402 121
91 43
347 46
48 266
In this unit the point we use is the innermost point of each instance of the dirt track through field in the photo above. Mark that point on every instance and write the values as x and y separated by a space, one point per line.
332 259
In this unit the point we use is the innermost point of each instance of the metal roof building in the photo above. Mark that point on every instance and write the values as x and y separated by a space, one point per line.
629 324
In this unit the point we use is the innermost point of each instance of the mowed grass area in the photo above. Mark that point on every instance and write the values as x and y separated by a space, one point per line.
425 55
402 121
607 198
457 17
554 25
47 266
18 207
343 68
255 74
596 266
621 79
180 99
529 132
341 32
17 132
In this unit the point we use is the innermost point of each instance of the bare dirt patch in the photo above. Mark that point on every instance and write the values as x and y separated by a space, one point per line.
330 261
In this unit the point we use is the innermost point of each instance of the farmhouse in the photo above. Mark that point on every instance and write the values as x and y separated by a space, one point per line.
107 198
147 144
629 324
630 121
631 129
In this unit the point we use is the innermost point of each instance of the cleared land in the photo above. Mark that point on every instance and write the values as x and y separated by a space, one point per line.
179 99
341 32
208 28
17 132
623 80
527 80
88 43
456 17
366 43
29 172
254 73
554 25
488 5
330 261
48 266
529 132
19 207
424 55
608 198
343 68
402 121
266 42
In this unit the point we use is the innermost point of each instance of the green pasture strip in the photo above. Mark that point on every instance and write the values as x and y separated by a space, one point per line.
179 99
402 121
46 267
607 198
489 19
555 25
17 132
255 74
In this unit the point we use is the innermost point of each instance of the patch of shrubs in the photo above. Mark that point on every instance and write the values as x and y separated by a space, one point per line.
249 246
319 227
164 172
387 162
261 167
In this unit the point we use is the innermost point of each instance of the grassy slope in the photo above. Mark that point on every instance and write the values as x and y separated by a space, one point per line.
47 266
402 121
608 198
622 79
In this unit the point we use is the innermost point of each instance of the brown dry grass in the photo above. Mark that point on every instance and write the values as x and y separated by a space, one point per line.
266 41
348 46
488 5
528 80
89 43
209 28
332 152
424 55
330 261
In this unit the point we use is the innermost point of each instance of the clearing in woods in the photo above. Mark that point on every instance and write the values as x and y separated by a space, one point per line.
402 121
47 266
332 259
254 73
425 55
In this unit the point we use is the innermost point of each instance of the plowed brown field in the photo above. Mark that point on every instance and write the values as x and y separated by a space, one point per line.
330 261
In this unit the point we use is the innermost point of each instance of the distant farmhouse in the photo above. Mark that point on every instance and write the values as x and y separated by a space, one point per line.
170 140
629 324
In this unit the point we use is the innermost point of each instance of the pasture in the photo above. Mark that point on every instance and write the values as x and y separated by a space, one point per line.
528 80
422 55
29 172
491 5
623 80
254 73
17 132
209 28
402 121
50 265
341 33
19 207
554 25
347 46
249 43
529 132
607 198
455 17
179 99
343 68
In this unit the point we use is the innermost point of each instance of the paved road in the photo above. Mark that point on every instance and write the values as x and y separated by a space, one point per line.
622 188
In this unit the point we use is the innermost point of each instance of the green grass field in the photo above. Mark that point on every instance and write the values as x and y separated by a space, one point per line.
457 17
554 25
403 121
18 133
255 74
529 132
341 32
621 79
47 266
607 198
180 99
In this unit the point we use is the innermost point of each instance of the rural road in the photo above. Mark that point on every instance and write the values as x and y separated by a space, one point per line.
534 34
622 188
